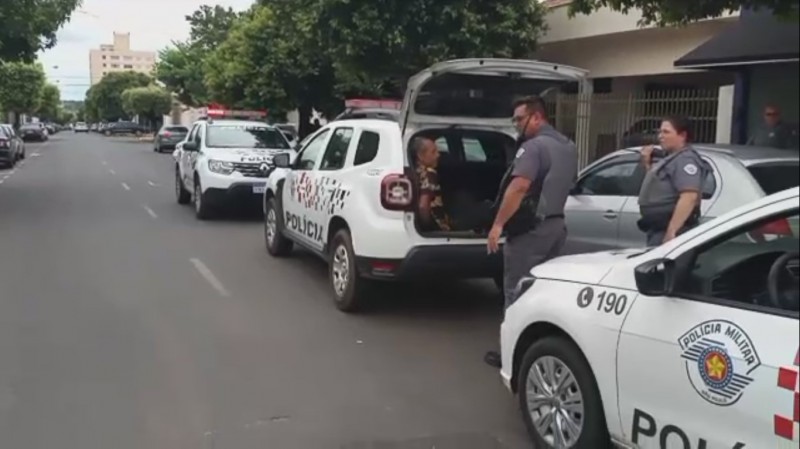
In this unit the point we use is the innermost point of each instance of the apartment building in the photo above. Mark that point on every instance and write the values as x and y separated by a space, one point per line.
118 57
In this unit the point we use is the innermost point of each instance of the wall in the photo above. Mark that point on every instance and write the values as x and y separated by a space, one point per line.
774 84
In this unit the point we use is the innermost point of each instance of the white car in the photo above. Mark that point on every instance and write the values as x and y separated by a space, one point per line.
80 127
693 344
349 196
225 160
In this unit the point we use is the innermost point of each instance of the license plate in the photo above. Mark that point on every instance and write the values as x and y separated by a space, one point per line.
259 189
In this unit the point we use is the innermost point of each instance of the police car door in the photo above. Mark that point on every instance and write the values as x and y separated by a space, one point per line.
714 365
332 190
300 190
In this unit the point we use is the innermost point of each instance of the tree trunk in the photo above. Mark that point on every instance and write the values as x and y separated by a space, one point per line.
304 119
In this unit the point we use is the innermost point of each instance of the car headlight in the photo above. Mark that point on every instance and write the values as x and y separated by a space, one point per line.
221 167
523 286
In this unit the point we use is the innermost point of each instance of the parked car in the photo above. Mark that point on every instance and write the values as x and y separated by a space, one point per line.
691 344
169 136
117 128
603 208
34 131
81 127
12 148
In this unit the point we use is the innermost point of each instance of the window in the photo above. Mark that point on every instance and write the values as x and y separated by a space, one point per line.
114 66
367 148
709 186
473 150
105 65
619 178
774 178
127 66
736 268
198 136
115 58
336 152
441 144
104 56
245 136
309 154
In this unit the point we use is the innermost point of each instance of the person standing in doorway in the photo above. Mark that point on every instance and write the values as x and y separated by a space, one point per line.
533 192
669 200
774 132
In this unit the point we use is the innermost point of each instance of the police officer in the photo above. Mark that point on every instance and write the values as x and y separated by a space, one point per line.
774 132
530 203
669 200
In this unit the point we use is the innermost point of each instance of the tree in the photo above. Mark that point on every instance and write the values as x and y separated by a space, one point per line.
181 66
151 102
21 87
272 59
31 25
104 99
50 104
679 12
376 46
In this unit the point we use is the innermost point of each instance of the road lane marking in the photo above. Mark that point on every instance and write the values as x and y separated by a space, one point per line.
126 186
111 170
209 277
35 155
151 212
152 184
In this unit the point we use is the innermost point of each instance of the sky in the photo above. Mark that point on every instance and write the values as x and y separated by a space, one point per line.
153 25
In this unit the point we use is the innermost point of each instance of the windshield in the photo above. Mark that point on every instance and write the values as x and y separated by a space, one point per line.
245 136
776 177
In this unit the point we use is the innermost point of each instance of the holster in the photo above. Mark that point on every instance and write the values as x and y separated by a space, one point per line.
659 221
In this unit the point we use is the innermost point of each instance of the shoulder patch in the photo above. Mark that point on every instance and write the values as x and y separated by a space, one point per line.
520 152
690 169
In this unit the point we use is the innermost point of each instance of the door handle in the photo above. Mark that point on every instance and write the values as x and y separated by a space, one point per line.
610 215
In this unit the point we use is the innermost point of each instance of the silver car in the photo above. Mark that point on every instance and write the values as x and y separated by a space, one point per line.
603 209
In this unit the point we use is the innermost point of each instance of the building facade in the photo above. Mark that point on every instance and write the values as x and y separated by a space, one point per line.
118 57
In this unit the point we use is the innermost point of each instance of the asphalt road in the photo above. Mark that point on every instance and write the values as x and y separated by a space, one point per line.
126 323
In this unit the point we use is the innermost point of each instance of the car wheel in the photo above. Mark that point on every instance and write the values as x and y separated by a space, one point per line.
23 154
202 209
559 398
107 133
277 244
181 194
349 289
138 134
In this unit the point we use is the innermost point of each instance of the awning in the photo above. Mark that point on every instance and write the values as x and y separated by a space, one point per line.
757 38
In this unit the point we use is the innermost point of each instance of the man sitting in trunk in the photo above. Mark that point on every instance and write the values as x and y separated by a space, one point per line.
464 214
432 214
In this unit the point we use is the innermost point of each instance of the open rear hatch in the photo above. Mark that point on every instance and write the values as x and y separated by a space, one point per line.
478 92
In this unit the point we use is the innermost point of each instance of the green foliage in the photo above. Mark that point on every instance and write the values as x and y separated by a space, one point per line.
104 99
377 45
50 104
680 12
181 66
31 25
21 86
151 102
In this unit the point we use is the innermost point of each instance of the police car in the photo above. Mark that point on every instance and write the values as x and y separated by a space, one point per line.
224 158
350 195
690 345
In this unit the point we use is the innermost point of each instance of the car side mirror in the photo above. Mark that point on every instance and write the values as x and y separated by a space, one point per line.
655 277
189 146
282 160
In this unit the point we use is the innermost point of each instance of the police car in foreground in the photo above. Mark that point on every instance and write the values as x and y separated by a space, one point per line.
224 159
689 345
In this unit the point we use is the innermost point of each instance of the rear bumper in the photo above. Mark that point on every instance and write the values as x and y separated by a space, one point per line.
435 262
37 137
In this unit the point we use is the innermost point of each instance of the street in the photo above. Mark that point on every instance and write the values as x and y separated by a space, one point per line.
126 323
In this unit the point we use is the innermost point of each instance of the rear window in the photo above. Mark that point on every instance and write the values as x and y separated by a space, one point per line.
774 178
245 136
30 126
177 129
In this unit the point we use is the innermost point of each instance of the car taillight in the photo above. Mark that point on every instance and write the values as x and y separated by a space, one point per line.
397 192
777 227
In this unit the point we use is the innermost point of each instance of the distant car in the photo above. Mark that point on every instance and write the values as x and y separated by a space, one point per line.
81 127
34 131
168 137
603 207
12 148
117 128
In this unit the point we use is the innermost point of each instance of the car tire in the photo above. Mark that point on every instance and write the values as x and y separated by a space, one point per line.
107 133
182 195
588 414
277 244
23 154
348 288
202 209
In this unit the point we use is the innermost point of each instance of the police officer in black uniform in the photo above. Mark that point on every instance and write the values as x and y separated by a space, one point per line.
669 200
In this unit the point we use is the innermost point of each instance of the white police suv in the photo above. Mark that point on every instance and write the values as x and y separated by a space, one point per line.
351 196
689 345
224 159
